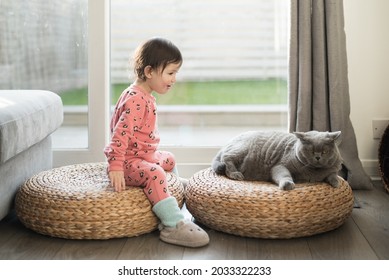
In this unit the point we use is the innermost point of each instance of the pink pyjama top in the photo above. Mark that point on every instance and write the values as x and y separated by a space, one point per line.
133 126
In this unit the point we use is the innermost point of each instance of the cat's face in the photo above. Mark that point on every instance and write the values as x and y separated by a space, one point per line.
318 149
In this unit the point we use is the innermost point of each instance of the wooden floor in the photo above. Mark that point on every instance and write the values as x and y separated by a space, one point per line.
365 235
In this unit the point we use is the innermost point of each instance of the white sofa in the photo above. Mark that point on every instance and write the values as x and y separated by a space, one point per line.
27 119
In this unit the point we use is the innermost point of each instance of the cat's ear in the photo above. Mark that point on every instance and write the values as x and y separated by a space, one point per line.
335 136
301 136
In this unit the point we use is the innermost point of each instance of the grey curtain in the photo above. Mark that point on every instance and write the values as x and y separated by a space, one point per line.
318 79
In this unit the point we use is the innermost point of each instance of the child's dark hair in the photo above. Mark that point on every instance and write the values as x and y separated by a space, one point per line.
156 52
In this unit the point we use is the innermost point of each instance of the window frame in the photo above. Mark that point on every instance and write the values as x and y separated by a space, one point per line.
98 89
190 159
99 86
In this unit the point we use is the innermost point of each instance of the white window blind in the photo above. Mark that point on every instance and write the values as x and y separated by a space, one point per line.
219 40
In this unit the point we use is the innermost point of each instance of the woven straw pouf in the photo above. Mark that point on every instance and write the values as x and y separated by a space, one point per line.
76 202
260 209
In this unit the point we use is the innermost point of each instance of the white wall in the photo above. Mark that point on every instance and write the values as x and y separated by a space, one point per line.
367 32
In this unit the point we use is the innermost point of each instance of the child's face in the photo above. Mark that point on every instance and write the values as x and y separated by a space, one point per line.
161 82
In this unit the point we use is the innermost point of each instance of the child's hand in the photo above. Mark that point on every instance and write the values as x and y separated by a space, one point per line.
117 180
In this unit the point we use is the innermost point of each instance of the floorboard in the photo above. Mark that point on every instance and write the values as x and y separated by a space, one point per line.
26 245
373 219
149 247
91 249
344 243
221 247
284 249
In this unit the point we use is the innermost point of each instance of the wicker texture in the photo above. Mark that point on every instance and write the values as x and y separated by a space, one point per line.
260 209
76 202
383 158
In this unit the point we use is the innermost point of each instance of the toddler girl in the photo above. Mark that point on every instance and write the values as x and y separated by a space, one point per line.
133 155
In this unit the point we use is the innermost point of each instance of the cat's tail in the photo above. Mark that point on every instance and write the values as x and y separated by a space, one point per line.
218 166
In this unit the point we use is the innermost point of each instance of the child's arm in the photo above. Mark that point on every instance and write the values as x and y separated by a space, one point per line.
122 135
120 141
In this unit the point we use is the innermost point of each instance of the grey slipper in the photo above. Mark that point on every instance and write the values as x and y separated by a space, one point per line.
186 233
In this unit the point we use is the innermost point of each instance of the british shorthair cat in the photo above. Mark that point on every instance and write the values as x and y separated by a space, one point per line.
281 157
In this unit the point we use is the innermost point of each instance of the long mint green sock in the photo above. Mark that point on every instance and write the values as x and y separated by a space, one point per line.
168 212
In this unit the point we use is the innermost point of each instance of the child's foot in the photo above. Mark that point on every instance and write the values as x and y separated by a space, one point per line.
186 233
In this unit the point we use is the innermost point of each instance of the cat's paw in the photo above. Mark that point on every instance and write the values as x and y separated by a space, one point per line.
286 185
333 181
236 176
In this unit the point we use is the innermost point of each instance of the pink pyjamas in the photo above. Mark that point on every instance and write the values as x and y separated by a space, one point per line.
134 143
150 173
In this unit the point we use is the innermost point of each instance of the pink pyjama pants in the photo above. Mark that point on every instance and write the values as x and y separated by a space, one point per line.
150 173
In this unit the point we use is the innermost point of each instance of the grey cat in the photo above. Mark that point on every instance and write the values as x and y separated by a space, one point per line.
281 157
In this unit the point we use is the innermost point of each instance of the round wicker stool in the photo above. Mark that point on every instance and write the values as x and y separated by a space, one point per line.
260 209
76 202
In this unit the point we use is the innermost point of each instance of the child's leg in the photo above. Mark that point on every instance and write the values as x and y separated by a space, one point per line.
151 176
165 159
174 229
168 163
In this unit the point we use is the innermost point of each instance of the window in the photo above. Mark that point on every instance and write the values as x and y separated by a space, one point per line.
233 78
44 46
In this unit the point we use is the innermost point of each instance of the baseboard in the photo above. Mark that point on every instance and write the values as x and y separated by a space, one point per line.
188 170
371 168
